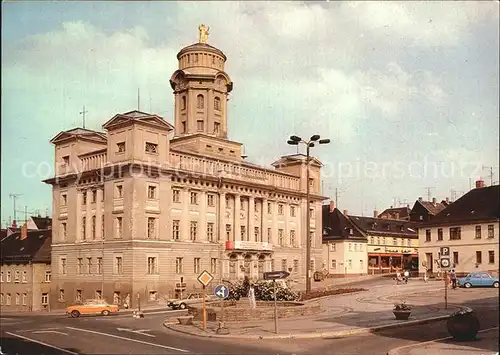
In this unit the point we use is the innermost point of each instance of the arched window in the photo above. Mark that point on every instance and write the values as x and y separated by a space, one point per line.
183 106
217 103
200 101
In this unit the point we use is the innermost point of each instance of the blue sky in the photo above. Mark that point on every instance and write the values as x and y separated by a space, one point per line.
407 92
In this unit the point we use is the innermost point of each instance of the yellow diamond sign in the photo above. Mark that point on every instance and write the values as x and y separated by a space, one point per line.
205 278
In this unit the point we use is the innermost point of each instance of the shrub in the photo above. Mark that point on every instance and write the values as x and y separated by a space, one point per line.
323 293
264 291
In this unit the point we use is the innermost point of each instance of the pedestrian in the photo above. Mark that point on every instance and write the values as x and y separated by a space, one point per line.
398 277
407 276
453 278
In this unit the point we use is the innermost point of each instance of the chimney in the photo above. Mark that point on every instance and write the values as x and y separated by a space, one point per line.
345 212
24 231
332 206
447 200
433 200
420 199
14 224
375 213
480 184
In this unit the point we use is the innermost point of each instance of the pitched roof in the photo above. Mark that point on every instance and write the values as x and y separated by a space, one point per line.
433 208
35 247
84 133
385 227
138 116
295 159
480 204
42 222
336 226
399 212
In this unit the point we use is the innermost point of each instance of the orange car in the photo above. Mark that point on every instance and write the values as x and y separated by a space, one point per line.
92 307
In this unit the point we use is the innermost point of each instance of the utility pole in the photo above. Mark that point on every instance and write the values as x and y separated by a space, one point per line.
14 197
83 112
490 168
337 197
138 99
429 193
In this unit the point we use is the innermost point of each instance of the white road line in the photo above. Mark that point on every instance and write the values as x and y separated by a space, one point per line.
36 330
42 343
128 339
49 331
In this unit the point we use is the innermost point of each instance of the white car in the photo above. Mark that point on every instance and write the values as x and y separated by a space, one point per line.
192 298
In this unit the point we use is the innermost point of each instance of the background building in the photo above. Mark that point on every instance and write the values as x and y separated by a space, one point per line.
469 226
143 209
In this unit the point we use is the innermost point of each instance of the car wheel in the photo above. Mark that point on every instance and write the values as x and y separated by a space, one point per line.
495 284
75 314
105 313
182 306
467 285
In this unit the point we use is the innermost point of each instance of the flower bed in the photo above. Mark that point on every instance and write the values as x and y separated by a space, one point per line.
323 293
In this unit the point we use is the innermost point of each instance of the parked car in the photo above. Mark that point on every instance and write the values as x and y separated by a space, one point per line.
192 298
478 279
92 307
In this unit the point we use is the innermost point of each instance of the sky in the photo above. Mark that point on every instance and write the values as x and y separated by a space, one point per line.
406 91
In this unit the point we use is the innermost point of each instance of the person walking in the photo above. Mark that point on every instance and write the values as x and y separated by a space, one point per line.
453 277
407 276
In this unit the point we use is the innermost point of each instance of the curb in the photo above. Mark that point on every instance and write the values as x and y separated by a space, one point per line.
315 335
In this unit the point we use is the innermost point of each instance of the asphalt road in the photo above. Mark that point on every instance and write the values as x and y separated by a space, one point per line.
123 334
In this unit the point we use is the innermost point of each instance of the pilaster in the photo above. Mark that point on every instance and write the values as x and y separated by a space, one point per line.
203 237
98 214
184 224
237 223
251 219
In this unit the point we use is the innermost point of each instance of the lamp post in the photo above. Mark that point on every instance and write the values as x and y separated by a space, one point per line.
295 140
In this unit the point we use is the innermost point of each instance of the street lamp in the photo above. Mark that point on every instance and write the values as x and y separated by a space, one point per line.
295 140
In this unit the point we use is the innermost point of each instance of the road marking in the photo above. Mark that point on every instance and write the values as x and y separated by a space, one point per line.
140 331
49 331
36 330
42 343
128 339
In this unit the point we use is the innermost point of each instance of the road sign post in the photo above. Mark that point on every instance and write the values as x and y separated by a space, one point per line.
275 309
222 292
275 275
444 262
205 278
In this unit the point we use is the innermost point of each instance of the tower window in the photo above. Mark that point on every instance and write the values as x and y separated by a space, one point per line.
183 126
183 103
200 125
216 127
200 102
217 103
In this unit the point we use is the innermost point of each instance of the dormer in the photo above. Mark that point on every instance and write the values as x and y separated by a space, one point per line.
69 145
138 136
296 165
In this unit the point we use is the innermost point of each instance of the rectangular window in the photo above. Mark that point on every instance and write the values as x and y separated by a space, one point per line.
440 234
119 265
479 257
151 148
25 298
64 230
84 228
228 202
24 277
243 232
216 127
48 276
78 296
194 198
89 265
63 266
152 267
193 230
119 191
334 264
394 241
18 299
256 233
455 257
196 266
311 213
176 229
64 199
93 227
153 295
491 256
16 276
213 265
491 231
99 265
45 298
79 266
65 159
350 246
269 235
427 235
61 294
228 232
284 264
94 196
210 200
349 264
478 232
98 295
200 125
184 126
119 227
120 147
455 233
292 211
178 266
1 277
152 192
242 204
7 299
292 238
102 227
210 231
176 195
269 208
280 209
84 197
281 240
295 266
151 228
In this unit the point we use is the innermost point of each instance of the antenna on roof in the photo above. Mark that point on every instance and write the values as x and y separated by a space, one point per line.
138 99
83 112
429 194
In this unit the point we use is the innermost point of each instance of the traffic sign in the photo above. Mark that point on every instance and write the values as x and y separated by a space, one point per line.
445 263
275 275
221 291
205 278
444 251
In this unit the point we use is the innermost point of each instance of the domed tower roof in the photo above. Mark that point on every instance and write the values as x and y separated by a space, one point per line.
201 47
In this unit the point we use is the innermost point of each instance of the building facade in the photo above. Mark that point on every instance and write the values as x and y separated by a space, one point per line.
25 271
470 228
140 210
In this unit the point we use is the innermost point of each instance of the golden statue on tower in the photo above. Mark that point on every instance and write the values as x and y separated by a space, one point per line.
203 33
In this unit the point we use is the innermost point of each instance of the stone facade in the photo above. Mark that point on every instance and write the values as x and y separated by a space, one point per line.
141 210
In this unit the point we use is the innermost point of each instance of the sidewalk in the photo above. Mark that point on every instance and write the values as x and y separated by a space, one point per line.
62 311
342 315
486 344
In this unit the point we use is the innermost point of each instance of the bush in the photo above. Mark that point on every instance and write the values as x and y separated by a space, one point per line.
264 291
323 293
